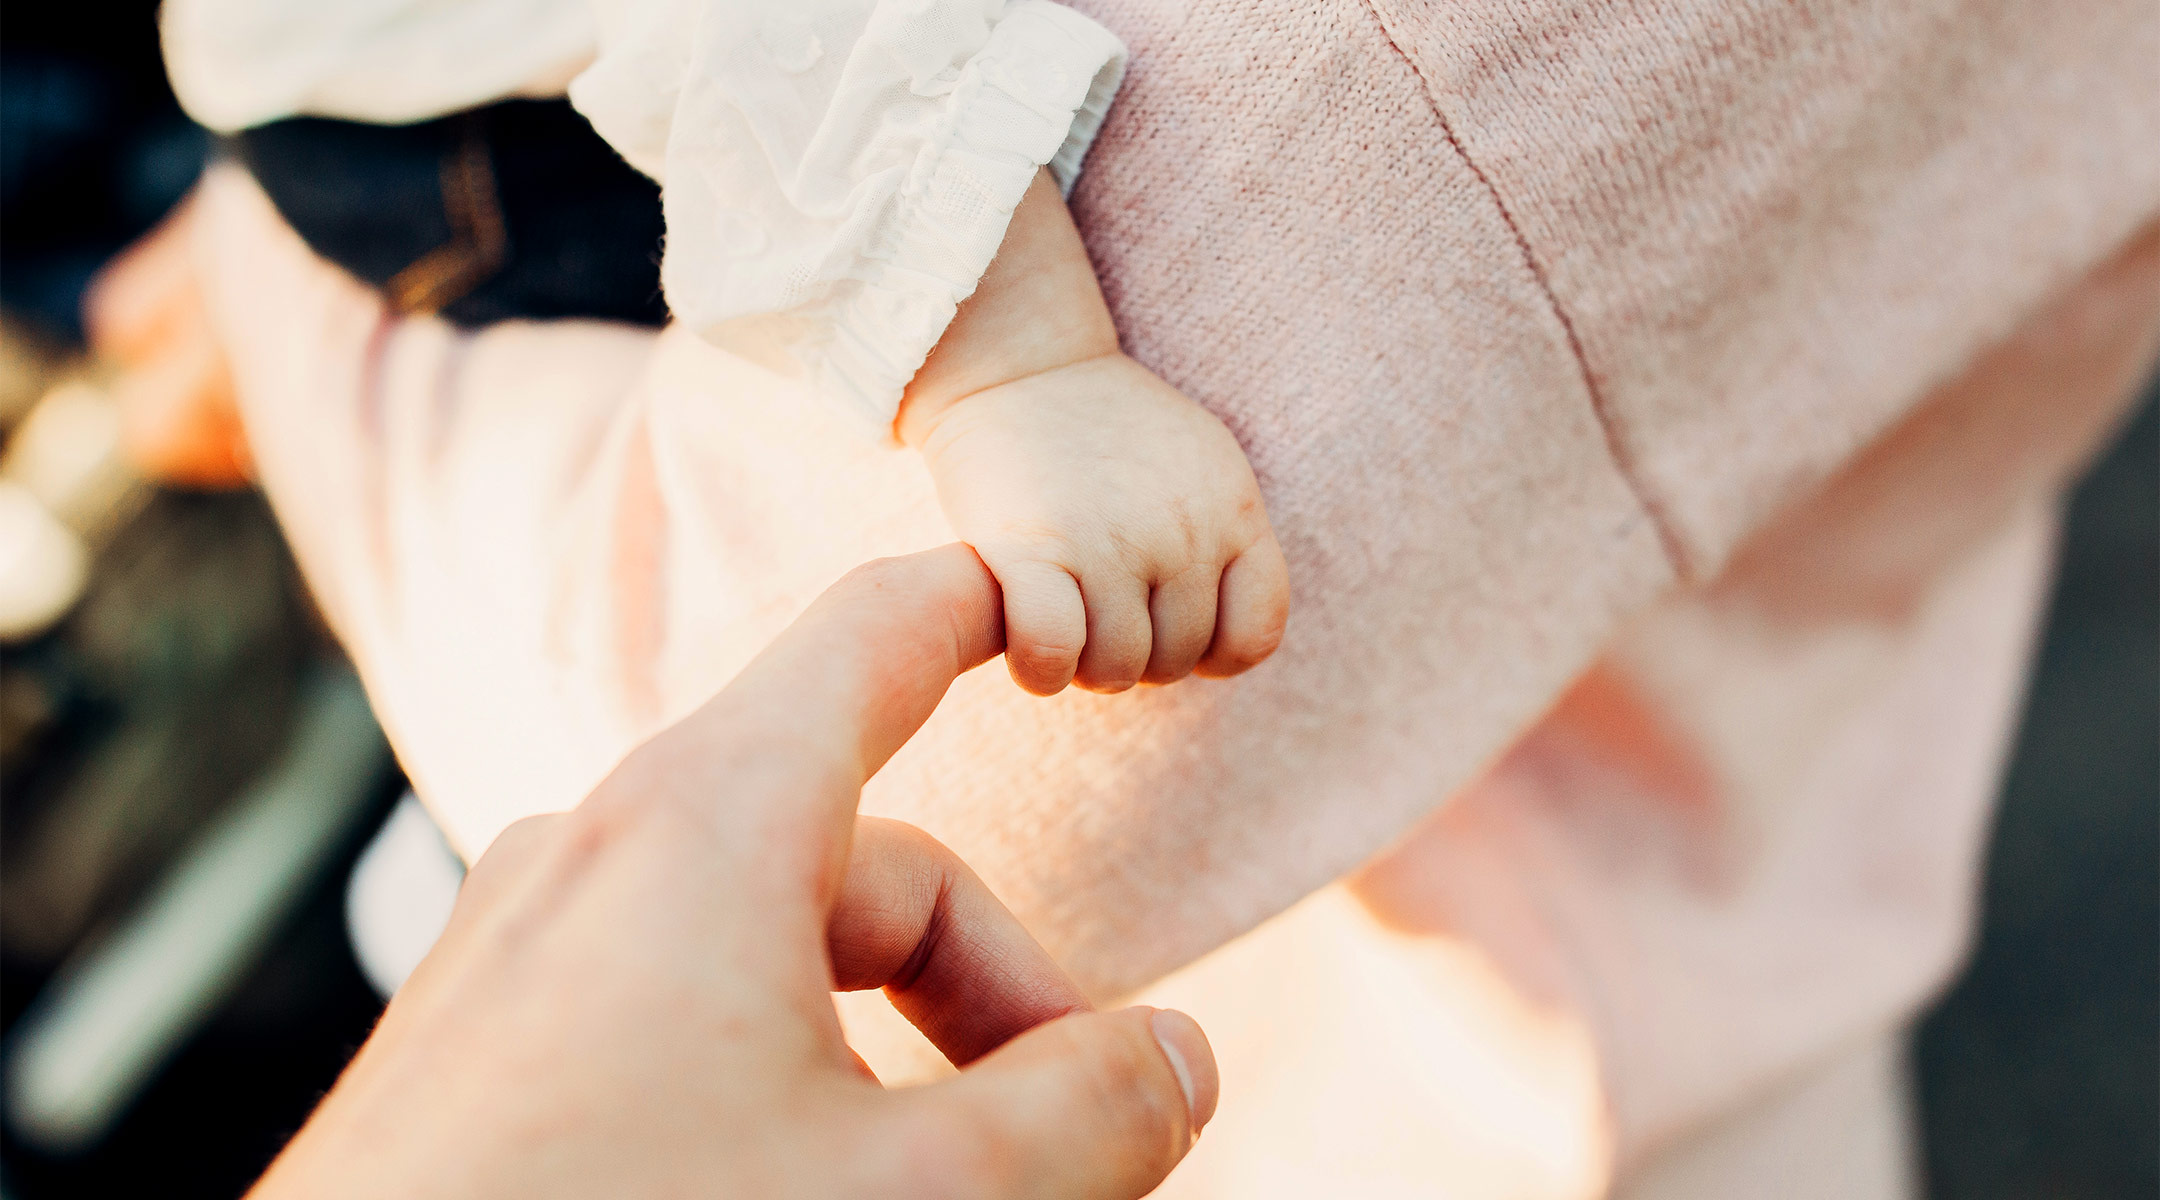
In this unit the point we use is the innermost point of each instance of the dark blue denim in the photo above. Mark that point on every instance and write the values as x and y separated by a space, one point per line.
515 210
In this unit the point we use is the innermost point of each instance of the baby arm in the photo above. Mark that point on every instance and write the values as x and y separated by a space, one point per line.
1120 518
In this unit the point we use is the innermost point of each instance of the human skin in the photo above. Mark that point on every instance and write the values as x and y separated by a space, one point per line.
1120 517
633 998
1434 405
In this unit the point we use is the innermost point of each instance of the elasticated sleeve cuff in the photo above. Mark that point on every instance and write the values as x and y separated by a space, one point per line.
835 187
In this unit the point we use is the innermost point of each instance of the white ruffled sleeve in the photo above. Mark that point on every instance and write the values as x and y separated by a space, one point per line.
837 174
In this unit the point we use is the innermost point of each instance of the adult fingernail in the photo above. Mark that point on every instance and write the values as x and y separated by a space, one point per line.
1191 1059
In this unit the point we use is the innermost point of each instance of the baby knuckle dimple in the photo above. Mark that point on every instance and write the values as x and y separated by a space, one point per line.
1178 563
1247 530
1031 543
1134 548
1186 529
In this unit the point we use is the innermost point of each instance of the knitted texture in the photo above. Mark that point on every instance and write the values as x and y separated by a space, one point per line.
1524 313
1772 224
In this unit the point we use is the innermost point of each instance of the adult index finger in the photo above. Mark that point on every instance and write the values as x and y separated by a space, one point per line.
777 760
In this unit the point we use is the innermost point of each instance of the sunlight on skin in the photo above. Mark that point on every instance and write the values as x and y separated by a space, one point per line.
1488 1089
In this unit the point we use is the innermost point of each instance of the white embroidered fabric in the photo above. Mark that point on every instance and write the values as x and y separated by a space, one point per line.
836 174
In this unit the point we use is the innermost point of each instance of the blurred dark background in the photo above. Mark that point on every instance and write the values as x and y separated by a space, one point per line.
182 700
2039 1073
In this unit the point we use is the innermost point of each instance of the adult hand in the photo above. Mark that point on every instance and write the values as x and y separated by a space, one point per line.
633 998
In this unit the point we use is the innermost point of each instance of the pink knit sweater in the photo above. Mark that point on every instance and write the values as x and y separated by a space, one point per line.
1661 405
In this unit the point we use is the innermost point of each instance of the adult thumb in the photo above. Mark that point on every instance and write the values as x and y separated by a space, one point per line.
1093 1106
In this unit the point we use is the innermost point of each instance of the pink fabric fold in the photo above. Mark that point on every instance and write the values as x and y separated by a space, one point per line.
1559 335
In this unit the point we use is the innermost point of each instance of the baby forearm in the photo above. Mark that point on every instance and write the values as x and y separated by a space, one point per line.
1037 308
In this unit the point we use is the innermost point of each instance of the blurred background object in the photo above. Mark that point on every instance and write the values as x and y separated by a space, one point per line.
186 768
188 773
93 150
2039 1073
125 999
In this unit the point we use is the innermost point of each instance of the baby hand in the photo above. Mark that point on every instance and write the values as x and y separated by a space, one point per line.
1122 521
1120 518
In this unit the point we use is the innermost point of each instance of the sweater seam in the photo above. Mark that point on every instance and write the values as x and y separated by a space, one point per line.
1616 447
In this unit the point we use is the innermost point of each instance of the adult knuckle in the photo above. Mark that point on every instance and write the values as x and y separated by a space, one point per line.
507 860
1125 1090
953 1154
916 844
591 829
1121 1074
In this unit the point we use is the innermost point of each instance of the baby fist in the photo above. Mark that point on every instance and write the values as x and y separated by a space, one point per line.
1122 521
